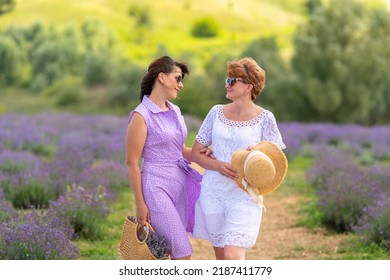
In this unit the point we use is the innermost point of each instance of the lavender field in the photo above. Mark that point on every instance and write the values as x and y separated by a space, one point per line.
61 173
58 176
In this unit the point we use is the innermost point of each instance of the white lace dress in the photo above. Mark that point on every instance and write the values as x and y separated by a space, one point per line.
225 214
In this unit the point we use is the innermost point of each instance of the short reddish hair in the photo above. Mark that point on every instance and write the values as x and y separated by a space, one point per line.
250 72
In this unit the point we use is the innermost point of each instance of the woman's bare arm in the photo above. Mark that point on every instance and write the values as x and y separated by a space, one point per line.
207 162
135 142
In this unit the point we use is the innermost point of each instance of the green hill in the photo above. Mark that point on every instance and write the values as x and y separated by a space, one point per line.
169 22
86 62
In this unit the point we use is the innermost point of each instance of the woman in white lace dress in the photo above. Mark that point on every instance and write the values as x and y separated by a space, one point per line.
226 215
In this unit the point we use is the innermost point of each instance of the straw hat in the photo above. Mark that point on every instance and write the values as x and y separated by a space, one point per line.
261 170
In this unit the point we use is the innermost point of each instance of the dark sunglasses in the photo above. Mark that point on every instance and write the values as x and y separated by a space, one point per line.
179 79
232 81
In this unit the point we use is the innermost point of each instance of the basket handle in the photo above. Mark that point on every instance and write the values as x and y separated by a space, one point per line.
146 229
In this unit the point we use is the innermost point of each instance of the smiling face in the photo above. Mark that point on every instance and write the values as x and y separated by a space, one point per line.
247 71
164 73
173 82
237 88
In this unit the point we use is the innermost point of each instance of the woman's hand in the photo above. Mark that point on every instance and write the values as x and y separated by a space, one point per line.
143 214
208 152
227 170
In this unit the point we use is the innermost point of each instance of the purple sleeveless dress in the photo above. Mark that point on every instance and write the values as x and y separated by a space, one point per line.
170 186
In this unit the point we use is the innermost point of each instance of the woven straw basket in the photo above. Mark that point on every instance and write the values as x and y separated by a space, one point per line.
131 248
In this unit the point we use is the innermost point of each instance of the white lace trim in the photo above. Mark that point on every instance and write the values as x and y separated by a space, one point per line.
238 239
202 141
264 126
228 122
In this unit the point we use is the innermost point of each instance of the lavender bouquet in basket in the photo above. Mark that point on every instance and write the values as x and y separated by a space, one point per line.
157 245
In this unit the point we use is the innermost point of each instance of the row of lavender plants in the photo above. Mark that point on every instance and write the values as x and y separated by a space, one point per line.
59 173
353 197
369 144
350 174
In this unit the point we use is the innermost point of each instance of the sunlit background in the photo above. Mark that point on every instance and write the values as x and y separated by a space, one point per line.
70 73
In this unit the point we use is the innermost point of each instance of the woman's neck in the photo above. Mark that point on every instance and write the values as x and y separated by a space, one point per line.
160 101
241 111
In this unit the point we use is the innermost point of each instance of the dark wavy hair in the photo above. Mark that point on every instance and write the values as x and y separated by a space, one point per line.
163 64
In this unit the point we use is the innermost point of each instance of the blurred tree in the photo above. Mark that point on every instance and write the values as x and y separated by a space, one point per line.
143 20
341 60
33 32
377 60
10 59
96 35
25 39
311 5
6 6
124 90
53 60
205 27
97 67
196 97
66 91
215 75
38 56
141 14
89 51
278 90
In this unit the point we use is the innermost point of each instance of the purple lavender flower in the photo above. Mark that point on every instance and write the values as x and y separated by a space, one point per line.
330 161
14 162
344 188
374 224
110 174
84 209
23 179
67 168
27 237
6 210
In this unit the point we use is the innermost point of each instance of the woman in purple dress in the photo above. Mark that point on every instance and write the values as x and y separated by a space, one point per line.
165 187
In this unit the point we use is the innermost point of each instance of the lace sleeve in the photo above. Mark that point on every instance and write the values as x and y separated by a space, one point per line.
205 130
271 131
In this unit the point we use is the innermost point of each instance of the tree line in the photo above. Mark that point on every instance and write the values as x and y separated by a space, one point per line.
338 71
